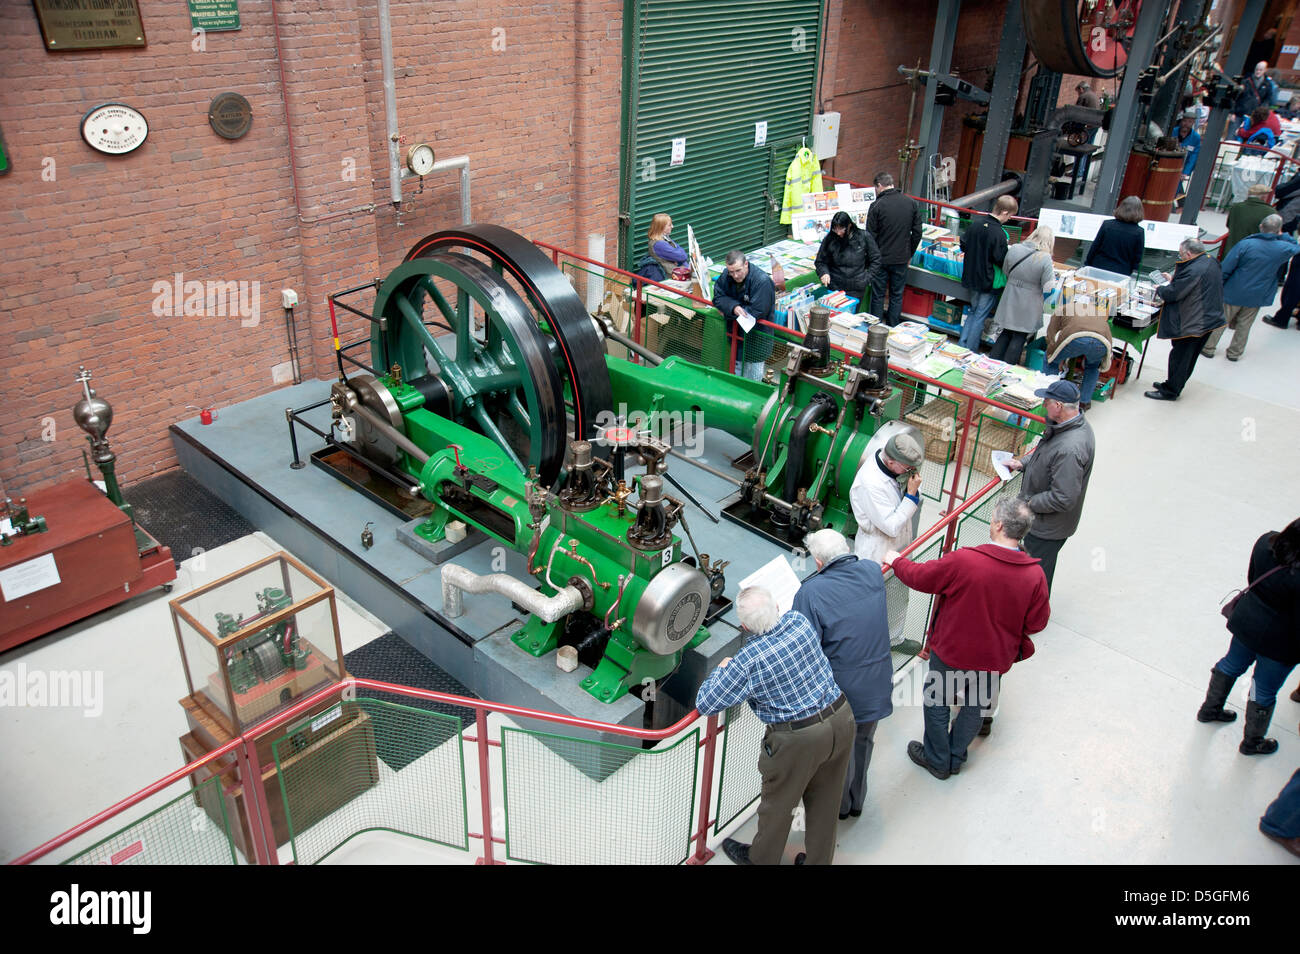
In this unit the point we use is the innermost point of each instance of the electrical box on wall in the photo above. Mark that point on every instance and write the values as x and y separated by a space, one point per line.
826 135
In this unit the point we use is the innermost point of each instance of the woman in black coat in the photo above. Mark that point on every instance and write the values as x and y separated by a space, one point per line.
848 259
1120 242
1265 627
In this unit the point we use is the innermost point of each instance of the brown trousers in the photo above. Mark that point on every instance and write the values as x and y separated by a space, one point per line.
805 765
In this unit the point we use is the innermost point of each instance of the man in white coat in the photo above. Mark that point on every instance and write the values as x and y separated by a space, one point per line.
885 511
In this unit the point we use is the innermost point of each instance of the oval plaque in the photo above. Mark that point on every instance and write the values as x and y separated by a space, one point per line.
230 115
114 128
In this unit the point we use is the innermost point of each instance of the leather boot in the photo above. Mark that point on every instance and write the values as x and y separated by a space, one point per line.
1295 694
1257 719
1212 708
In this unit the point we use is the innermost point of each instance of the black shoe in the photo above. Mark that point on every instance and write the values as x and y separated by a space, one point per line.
801 858
1212 708
1290 844
908 647
1156 394
916 752
1257 719
986 727
1085 406
737 851
1207 354
1231 358
1295 696
1275 321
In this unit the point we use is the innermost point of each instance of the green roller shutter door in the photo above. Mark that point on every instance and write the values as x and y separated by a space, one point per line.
707 72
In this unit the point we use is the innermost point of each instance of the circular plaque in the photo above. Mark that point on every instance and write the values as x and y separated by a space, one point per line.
114 128
230 115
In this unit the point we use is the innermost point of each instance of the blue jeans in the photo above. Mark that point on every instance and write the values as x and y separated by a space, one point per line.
1093 353
1268 676
981 306
945 748
1283 817
750 369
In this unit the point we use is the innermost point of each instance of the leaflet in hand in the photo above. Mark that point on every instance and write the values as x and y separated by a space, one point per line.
778 578
746 321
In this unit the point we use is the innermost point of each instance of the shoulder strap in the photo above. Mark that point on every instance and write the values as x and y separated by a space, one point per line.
1262 579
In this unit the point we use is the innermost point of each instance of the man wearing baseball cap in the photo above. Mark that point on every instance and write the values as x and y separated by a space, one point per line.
886 495
1056 474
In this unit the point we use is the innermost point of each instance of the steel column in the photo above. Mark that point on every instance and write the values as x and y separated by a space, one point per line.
1218 120
1119 141
1002 106
945 35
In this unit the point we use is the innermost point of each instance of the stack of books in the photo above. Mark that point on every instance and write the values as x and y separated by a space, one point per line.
983 374
908 344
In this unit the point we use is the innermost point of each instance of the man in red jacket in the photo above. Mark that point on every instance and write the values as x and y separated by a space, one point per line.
991 598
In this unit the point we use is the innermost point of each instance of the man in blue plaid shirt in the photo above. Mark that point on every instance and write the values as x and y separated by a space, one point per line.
785 677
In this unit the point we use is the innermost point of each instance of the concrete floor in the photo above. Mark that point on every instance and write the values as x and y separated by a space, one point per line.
1096 755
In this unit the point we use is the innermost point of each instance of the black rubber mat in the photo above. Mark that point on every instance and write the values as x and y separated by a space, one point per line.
389 658
182 515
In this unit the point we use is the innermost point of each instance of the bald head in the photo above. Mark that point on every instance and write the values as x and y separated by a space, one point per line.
1271 224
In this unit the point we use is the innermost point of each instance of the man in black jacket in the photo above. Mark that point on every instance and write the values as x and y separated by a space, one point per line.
894 221
984 246
1193 307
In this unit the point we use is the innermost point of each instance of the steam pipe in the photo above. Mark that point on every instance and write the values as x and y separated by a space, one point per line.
390 103
980 196
457 580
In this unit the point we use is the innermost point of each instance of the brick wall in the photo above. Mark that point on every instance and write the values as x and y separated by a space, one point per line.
82 246
870 39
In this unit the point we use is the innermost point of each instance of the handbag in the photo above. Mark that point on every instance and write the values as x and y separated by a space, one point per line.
1231 605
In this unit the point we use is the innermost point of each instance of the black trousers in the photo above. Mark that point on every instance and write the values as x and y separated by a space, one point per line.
1290 295
892 277
1045 551
1182 359
1009 346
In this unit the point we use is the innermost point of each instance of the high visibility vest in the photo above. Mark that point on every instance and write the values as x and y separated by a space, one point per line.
803 176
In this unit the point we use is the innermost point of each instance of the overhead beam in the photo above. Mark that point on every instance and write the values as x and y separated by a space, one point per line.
945 35
1002 107
1218 121
1123 120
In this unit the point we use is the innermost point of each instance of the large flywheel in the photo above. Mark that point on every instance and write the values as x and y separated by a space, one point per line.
1082 37
559 312
501 381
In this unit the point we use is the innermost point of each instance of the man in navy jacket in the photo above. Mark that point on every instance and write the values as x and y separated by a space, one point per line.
845 602
1250 276
746 290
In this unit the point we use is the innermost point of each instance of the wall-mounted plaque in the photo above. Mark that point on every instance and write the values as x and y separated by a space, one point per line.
89 24
230 115
114 128
214 16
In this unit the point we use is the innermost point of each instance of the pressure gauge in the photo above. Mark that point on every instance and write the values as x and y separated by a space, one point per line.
419 159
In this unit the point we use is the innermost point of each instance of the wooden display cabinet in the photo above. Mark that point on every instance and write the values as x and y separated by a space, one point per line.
252 644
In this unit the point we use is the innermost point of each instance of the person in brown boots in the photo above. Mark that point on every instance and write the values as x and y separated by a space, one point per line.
1265 627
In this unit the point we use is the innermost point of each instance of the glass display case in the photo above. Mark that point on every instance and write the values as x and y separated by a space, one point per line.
257 640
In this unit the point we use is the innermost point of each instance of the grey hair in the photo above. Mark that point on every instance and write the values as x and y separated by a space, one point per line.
757 610
735 257
825 545
1271 223
1014 515
1191 246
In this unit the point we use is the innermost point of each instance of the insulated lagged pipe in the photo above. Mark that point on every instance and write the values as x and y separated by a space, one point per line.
456 580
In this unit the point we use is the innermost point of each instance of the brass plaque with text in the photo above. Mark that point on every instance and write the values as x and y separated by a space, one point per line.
89 24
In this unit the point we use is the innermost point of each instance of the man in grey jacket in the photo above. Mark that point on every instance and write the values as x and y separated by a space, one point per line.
1056 475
